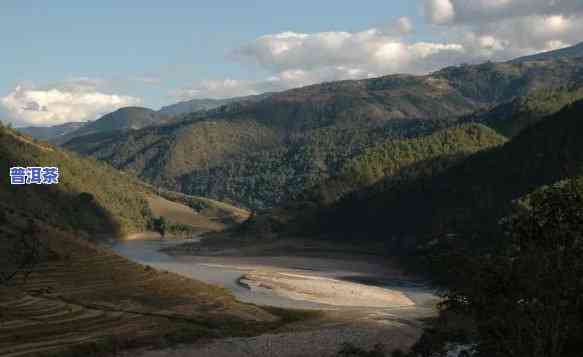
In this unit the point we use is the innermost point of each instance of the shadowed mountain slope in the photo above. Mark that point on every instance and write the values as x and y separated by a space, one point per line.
470 197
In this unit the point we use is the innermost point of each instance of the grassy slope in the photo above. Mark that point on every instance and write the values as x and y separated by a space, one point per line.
119 206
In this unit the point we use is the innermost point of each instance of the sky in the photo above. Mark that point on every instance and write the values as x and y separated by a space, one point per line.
65 60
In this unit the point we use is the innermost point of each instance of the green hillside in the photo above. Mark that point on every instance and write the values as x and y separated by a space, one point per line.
95 198
472 196
397 160
91 196
512 117
376 170
260 154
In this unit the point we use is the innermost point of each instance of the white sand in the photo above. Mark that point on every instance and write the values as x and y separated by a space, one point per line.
325 290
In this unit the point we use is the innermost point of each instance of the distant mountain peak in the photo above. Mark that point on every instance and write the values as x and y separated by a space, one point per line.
567 52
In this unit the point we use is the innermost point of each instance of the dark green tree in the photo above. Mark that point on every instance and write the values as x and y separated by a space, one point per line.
160 225
528 301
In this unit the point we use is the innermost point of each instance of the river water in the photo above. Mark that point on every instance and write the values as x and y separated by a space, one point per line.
226 272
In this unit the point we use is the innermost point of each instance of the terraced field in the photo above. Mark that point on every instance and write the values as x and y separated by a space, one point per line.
83 300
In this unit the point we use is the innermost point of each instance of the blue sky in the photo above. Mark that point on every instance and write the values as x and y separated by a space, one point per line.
155 53
181 41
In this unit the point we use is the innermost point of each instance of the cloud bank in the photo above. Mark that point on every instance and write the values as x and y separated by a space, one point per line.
469 31
73 100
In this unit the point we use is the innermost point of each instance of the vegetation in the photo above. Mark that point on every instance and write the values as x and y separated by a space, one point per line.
469 198
524 300
511 118
262 153
82 300
401 160
159 225
376 170
61 295
90 196
124 119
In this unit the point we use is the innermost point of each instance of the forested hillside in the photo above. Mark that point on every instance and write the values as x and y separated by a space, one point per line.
375 171
402 160
512 117
472 196
260 154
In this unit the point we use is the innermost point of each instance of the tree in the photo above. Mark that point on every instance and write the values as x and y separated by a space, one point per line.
528 301
86 198
160 225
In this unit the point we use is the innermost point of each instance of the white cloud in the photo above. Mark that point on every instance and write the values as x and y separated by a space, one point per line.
297 59
480 11
76 99
502 29
217 89
467 31
439 11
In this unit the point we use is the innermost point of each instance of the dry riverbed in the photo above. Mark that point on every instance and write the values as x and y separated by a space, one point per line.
365 300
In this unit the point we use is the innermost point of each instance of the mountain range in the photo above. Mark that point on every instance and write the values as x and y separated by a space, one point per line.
132 118
51 132
262 153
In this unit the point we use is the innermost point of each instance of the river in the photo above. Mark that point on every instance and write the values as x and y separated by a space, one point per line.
227 272
392 326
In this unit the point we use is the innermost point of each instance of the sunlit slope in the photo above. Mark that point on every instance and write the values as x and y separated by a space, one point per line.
114 203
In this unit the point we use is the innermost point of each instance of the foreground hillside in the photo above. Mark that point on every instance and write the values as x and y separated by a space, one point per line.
115 202
61 295
82 300
260 154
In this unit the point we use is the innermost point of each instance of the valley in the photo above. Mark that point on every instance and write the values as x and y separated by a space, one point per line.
426 215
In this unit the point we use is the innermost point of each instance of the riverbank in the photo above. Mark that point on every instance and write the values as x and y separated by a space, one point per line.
363 299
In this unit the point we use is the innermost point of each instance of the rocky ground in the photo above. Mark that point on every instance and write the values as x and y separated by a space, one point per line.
321 338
